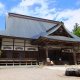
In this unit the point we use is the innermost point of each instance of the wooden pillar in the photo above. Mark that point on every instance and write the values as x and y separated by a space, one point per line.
13 45
24 44
74 56
46 52
47 57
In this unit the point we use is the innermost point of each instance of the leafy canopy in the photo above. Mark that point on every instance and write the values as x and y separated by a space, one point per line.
76 29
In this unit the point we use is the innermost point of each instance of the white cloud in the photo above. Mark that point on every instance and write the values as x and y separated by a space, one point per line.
71 17
2 8
43 10
27 7
1 5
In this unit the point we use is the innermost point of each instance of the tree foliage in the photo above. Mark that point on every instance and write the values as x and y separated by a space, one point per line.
76 29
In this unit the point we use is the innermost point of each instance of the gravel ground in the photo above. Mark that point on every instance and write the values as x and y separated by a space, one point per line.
35 73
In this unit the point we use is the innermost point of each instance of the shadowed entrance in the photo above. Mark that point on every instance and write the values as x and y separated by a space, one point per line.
60 58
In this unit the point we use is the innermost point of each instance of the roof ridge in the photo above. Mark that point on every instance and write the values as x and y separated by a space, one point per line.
32 18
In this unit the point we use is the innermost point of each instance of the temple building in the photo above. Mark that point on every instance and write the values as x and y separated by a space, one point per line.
31 41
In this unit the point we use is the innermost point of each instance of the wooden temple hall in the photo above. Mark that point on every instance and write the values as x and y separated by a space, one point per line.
32 41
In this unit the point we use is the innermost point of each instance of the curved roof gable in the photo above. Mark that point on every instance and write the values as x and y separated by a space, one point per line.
68 37
60 28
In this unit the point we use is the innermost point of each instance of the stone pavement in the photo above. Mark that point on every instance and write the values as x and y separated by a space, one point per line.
35 73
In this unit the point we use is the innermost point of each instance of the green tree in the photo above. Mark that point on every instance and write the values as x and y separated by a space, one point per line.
76 29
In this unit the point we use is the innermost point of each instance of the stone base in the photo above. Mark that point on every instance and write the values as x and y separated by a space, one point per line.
48 62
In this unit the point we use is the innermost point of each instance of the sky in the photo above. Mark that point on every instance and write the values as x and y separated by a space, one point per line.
67 11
